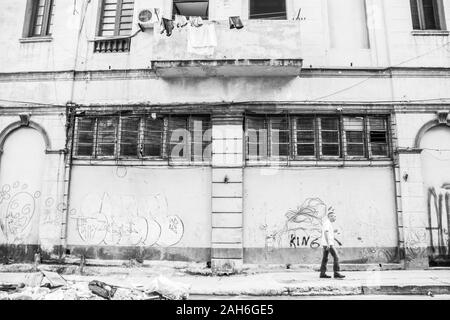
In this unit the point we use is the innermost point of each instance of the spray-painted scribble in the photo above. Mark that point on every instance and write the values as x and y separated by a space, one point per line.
303 226
118 220
18 206
439 220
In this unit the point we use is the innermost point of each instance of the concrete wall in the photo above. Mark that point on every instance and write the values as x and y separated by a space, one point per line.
161 213
32 188
282 220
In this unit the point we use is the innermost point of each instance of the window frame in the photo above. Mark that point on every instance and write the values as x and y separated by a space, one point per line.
318 141
294 139
31 18
250 2
188 159
439 14
321 143
208 10
118 16
365 142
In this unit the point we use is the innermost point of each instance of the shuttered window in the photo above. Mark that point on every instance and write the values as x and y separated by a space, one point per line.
316 137
378 137
116 18
39 18
129 137
329 132
85 137
354 136
153 143
427 15
178 138
256 138
106 136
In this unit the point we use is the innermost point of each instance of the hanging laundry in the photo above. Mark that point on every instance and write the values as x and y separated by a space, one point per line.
180 21
235 22
196 21
167 26
202 40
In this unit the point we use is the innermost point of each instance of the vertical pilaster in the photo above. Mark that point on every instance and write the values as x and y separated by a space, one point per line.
227 194
413 206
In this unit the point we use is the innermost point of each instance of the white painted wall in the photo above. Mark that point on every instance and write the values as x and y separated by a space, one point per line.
140 206
368 223
21 181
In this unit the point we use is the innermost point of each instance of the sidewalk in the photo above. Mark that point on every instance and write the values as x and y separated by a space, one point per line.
269 283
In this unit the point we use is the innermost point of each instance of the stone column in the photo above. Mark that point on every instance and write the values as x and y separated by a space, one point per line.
227 194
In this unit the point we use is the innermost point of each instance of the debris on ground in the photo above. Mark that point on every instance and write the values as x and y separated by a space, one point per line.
8 287
102 289
169 289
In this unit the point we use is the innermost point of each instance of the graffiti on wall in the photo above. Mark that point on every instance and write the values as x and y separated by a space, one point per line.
439 220
18 206
302 227
119 220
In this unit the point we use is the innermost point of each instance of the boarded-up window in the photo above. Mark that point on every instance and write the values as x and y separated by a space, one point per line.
153 144
330 136
129 137
116 18
378 136
305 134
354 136
85 137
427 15
268 9
106 136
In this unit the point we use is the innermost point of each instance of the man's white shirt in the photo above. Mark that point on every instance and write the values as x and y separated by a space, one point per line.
327 226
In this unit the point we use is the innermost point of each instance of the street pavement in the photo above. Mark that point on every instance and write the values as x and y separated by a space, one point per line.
431 283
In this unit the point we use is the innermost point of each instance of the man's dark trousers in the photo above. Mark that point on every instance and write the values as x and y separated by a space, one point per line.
323 267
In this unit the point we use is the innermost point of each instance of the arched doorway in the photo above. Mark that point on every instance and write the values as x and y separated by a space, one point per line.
21 177
435 159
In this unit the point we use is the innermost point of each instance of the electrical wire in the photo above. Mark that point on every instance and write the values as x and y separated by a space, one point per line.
384 69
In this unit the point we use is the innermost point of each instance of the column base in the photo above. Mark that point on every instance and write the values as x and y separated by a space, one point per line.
226 266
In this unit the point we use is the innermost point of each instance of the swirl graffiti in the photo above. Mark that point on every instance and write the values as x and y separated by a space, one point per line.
116 220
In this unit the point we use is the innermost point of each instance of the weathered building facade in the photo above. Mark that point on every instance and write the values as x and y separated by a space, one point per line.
119 142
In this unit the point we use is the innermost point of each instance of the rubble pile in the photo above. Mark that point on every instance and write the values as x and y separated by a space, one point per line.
45 285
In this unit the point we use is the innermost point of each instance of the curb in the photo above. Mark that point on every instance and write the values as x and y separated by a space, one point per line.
334 291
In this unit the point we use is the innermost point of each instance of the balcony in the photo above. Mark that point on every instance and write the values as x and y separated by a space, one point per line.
261 48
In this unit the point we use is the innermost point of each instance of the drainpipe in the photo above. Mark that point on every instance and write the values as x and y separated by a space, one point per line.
70 131
396 156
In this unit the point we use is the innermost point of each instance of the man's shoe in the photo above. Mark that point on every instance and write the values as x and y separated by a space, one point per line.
324 276
339 276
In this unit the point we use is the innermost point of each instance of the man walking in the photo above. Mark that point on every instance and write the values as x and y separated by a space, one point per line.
328 246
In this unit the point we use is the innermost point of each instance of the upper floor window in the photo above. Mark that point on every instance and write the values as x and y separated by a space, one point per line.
427 15
116 18
38 18
268 9
191 8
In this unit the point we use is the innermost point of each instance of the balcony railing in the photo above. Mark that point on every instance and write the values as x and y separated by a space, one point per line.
112 45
